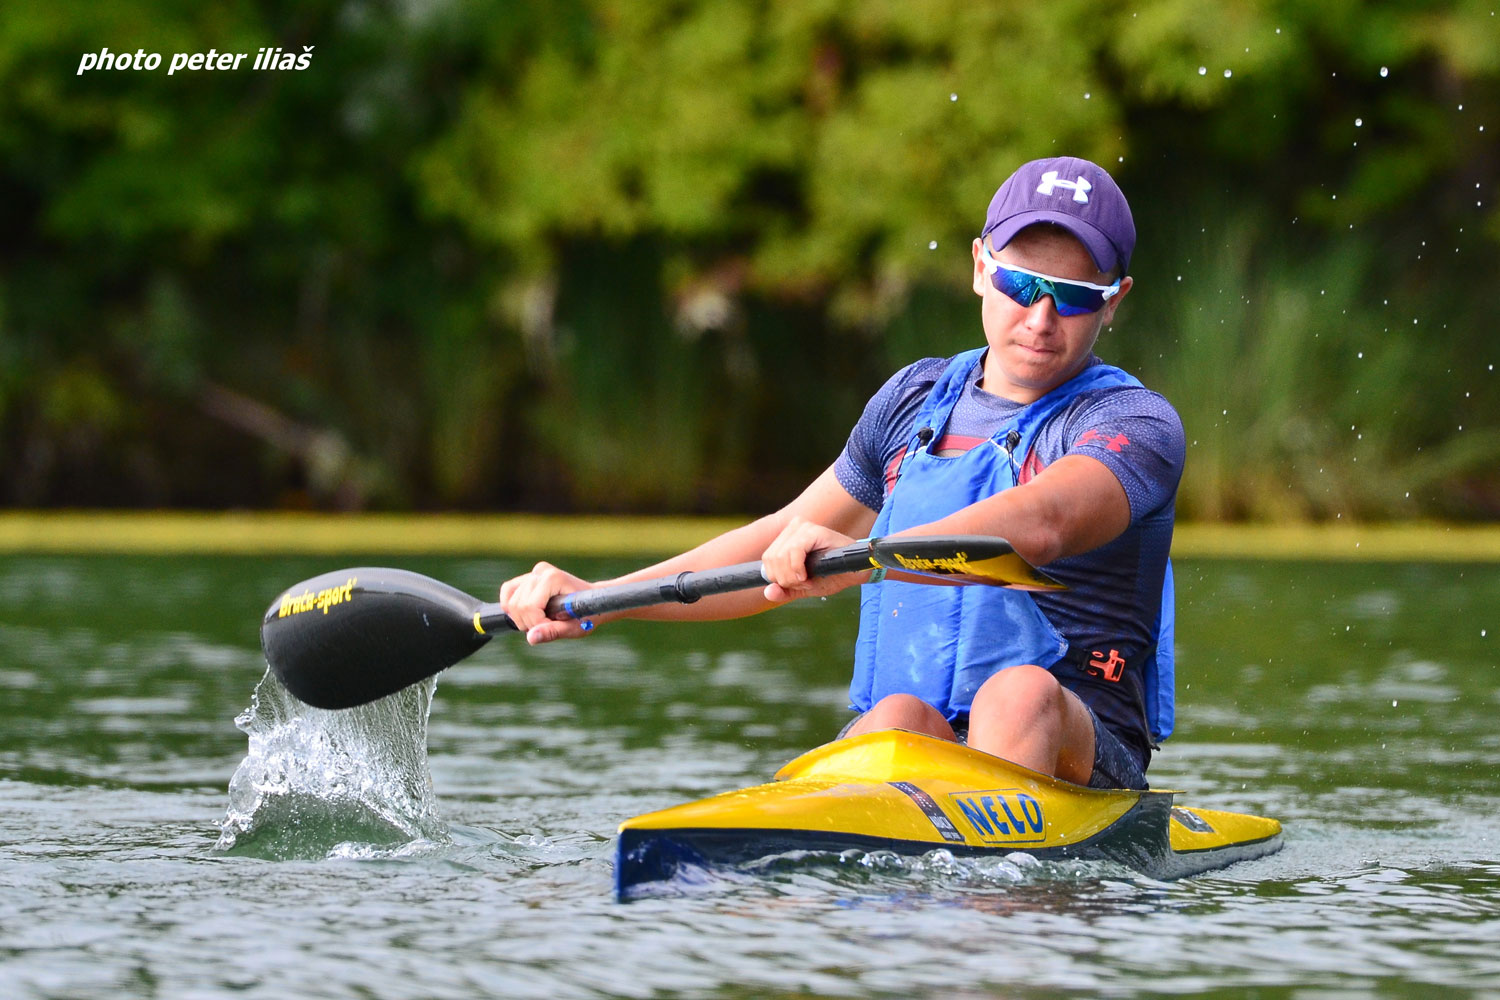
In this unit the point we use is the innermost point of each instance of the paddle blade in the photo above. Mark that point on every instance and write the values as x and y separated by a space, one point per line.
981 559
355 635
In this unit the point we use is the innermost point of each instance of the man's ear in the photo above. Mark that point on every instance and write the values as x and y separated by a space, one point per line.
981 278
1114 300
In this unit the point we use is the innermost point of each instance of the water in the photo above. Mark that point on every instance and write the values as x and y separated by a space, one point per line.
150 848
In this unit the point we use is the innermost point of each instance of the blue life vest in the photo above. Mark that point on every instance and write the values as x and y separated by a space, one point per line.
942 643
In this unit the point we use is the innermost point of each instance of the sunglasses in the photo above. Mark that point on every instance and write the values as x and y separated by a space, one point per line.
1072 298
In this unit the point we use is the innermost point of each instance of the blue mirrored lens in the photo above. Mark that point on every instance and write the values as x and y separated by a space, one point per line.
1025 289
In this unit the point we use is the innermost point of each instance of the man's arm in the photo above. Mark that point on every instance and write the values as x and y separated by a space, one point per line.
1074 505
1125 461
825 501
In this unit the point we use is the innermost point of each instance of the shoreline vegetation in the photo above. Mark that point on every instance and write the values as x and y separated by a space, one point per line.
654 258
551 536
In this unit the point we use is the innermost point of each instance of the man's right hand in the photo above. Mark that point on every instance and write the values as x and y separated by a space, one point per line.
785 562
524 598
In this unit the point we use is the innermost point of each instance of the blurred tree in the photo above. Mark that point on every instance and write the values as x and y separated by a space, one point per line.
625 255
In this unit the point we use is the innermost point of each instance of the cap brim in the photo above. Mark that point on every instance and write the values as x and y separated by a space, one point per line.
1106 256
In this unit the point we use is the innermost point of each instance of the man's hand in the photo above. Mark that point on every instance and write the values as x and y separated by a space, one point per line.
525 599
785 562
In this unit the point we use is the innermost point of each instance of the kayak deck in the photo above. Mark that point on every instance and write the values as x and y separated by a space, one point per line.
910 794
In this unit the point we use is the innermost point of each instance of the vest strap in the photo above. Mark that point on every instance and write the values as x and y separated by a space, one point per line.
1104 663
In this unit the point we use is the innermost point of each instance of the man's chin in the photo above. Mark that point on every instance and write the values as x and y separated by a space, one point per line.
1034 370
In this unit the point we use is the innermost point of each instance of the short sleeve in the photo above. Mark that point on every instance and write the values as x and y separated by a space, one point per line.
1138 435
881 434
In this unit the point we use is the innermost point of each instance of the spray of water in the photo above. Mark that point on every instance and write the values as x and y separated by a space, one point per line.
317 783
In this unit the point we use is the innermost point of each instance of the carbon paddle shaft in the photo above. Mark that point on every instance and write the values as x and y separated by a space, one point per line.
688 587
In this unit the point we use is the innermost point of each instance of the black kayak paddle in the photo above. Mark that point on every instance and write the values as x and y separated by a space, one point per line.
356 635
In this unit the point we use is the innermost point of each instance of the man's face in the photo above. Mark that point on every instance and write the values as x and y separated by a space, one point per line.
1032 349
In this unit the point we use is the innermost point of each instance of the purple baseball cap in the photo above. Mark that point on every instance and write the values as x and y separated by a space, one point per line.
1072 193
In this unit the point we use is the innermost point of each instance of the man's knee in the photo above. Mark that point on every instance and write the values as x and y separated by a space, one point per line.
1024 714
1025 691
895 709
903 711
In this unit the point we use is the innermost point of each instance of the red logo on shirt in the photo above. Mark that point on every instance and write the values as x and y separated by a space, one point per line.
1030 468
1116 443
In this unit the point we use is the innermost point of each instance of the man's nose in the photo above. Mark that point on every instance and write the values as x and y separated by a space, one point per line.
1042 311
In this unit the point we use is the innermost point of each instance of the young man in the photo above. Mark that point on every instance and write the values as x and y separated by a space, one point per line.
1030 438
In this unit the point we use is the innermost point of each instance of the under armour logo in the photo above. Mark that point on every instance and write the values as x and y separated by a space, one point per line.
1116 443
1080 187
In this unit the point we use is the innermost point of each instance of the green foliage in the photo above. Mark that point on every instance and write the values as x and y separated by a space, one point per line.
623 255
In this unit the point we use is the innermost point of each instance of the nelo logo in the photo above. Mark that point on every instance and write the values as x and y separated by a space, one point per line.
1002 816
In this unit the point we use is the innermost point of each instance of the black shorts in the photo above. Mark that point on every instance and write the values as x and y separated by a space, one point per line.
1114 765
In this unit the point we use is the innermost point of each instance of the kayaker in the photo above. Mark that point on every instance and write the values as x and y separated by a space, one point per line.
1029 437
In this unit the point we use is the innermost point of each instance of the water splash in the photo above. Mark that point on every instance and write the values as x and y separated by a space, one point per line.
318 783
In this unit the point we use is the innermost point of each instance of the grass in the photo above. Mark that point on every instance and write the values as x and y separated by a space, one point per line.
1313 383
540 535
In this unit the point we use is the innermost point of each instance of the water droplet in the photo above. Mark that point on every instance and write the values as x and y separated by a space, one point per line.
932 245
1202 70
952 97
1228 73
1384 71
1358 122
1087 95
1361 354
1394 702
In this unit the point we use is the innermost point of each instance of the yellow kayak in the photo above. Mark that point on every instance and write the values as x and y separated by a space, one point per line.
908 793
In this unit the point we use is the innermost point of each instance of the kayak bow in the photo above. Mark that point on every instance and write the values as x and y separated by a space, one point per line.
911 794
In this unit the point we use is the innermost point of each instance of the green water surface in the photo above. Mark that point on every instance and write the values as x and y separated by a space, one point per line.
1354 702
